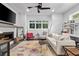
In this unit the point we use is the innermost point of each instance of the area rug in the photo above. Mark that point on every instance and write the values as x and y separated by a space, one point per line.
30 48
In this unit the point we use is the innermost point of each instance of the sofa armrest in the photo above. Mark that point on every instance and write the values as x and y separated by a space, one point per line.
66 42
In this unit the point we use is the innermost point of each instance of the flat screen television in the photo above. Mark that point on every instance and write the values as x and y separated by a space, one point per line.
7 15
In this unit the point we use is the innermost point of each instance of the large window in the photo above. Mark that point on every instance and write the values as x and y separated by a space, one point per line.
38 24
45 24
74 16
32 24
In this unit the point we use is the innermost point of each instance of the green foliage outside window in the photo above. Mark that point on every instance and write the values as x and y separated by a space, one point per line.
32 24
45 24
75 17
39 24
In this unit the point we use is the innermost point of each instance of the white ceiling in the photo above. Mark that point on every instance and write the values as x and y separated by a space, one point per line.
58 7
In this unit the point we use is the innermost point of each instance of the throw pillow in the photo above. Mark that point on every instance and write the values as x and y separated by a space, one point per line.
61 38
64 37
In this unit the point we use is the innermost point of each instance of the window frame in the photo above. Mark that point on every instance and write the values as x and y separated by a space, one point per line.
38 24
31 22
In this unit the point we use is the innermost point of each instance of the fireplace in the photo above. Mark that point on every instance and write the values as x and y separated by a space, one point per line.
7 35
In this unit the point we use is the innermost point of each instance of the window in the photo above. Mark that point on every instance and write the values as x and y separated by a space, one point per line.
32 24
38 24
45 24
74 16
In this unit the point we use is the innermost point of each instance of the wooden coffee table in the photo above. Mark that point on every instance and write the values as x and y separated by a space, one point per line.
71 50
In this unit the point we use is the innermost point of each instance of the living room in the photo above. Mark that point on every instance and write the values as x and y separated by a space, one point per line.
41 29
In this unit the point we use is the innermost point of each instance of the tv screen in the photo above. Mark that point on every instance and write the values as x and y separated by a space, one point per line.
6 14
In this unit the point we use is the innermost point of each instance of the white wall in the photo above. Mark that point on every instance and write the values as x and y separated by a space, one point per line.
71 11
20 21
57 23
39 18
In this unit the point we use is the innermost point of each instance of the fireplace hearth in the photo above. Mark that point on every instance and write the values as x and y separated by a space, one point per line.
7 35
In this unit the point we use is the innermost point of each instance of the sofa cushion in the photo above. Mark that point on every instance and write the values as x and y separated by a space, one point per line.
64 37
50 35
66 42
52 40
56 36
61 38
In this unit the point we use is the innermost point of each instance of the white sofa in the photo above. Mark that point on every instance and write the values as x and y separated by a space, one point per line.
57 42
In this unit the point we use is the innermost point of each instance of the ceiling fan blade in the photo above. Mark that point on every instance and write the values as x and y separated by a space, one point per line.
30 7
45 8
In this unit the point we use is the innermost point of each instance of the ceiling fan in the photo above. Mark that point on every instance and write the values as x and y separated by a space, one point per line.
39 7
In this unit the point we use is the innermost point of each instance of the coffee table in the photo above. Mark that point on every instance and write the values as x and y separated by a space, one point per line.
71 50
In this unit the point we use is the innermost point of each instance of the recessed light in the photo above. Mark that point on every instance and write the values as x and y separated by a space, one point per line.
53 10
27 10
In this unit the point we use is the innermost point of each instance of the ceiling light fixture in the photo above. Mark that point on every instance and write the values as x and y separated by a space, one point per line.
27 10
53 10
